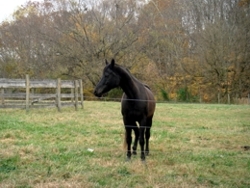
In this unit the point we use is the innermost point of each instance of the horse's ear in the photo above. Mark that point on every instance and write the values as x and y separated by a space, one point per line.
112 63
106 62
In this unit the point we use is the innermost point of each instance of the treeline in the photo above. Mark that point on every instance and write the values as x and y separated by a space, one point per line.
185 50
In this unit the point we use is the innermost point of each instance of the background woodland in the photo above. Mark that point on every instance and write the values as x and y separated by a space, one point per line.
184 50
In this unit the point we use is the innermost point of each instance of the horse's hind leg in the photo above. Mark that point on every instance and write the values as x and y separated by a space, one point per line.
147 134
142 142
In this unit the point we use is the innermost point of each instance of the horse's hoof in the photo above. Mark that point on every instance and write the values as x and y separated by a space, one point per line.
134 153
147 153
143 158
128 159
144 162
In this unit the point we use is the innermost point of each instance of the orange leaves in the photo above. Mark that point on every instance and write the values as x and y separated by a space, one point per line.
244 3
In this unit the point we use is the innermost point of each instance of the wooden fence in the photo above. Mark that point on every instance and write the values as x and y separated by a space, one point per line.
26 93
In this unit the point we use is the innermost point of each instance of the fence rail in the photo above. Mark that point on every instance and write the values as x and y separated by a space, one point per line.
10 98
19 83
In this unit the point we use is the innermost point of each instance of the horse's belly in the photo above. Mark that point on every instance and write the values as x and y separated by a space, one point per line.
133 112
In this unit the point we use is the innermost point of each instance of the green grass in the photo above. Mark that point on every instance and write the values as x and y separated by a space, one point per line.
192 145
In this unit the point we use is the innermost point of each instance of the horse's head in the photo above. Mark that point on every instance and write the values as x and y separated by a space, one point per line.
110 79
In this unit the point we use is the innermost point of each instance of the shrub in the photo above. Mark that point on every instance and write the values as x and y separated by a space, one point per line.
183 95
115 93
164 95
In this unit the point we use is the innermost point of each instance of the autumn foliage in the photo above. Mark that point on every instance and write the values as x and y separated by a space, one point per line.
185 50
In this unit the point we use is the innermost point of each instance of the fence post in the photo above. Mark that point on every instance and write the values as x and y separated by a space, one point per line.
76 95
27 84
72 95
2 96
58 94
200 93
218 97
81 92
228 99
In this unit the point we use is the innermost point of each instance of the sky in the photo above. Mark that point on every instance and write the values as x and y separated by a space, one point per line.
7 7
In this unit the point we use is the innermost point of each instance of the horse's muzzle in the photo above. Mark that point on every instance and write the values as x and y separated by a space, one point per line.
97 94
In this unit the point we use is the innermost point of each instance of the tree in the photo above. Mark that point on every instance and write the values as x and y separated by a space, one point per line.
199 45
163 35
219 29
92 32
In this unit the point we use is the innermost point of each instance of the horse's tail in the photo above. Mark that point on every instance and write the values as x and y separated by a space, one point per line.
125 141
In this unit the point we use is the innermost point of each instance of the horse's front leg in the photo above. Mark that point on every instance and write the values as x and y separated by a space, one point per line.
129 141
136 131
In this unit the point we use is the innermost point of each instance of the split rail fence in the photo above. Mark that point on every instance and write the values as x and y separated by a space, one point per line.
26 93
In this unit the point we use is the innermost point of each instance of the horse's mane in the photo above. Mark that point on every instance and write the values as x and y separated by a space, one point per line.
147 86
127 71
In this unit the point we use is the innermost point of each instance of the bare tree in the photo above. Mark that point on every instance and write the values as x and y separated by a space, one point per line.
219 29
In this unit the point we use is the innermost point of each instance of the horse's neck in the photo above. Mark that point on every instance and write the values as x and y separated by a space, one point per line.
130 85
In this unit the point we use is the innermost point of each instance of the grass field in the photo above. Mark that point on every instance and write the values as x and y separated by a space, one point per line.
192 145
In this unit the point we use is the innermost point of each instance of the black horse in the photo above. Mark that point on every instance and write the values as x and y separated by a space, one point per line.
138 104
